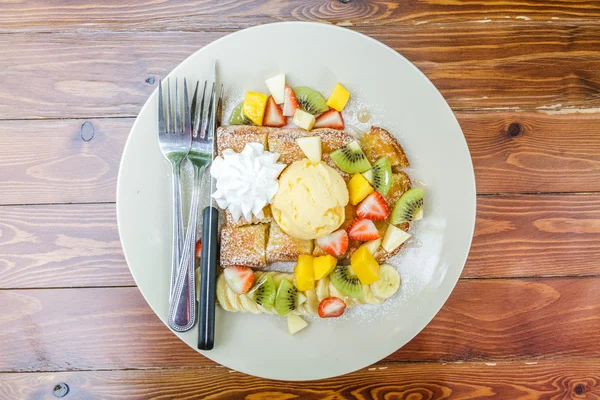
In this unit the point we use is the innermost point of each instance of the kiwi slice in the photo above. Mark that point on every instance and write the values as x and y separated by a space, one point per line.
237 116
382 175
263 292
351 158
344 280
409 207
286 299
310 100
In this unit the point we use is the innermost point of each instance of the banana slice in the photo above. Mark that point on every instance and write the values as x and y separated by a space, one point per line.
312 303
221 295
248 304
388 283
368 297
322 289
233 299
301 299
333 292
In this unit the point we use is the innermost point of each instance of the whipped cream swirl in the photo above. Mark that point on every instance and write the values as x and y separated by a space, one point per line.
246 182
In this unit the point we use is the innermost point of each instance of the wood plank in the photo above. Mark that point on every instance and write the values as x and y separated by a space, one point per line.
61 15
552 152
515 236
515 67
61 246
483 320
508 380
50 162
535 235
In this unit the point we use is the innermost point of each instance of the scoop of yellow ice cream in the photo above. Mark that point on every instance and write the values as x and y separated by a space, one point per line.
310 200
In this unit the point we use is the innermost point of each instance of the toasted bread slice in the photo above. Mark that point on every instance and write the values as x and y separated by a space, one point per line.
400 184
282 247
244 245
378 142
235 137
266 219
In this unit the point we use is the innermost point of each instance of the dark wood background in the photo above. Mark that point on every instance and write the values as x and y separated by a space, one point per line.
523 78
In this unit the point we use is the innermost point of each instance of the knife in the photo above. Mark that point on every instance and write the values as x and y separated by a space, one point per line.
210 232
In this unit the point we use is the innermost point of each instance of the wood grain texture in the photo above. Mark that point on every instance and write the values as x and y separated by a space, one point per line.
61 15
50 162
58 246
553 152
506 380
535 235
516 67
482 320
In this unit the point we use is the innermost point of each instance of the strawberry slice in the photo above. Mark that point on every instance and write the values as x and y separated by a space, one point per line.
239 279
199 248
273 114
373 207
330 119
335 243
290 104
331 307
363 230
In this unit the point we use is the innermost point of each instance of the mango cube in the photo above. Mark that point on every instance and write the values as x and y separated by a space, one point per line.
324 265
254 107
304 273
358 189
365 266
339 97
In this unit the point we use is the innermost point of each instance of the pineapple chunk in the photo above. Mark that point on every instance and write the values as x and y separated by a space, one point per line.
303 120
254 107
311 146
393 238
276 86
295 324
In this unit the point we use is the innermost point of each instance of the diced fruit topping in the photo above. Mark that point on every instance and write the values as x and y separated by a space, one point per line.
368 176
254 107
199 248
382 175
346 282
409 207
351 158
330 119
310 100
295 324
372 245
393 238
331 307
358 189
339 97
263 293
388 283
237 116
311 146
239 279
373 207
304 273
363 230
276 86
303 120
335 243
273 114
290 104
323 266
286 299
365 266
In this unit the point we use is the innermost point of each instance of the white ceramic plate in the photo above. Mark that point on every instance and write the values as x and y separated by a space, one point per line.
402 100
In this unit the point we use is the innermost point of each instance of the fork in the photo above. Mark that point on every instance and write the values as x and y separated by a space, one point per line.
174 138
182 311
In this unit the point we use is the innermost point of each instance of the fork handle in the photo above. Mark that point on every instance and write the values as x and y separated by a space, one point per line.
182 309
208 273
177 226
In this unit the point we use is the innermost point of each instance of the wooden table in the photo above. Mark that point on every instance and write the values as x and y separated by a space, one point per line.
523 78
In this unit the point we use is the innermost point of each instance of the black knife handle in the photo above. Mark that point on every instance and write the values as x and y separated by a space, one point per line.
208 279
